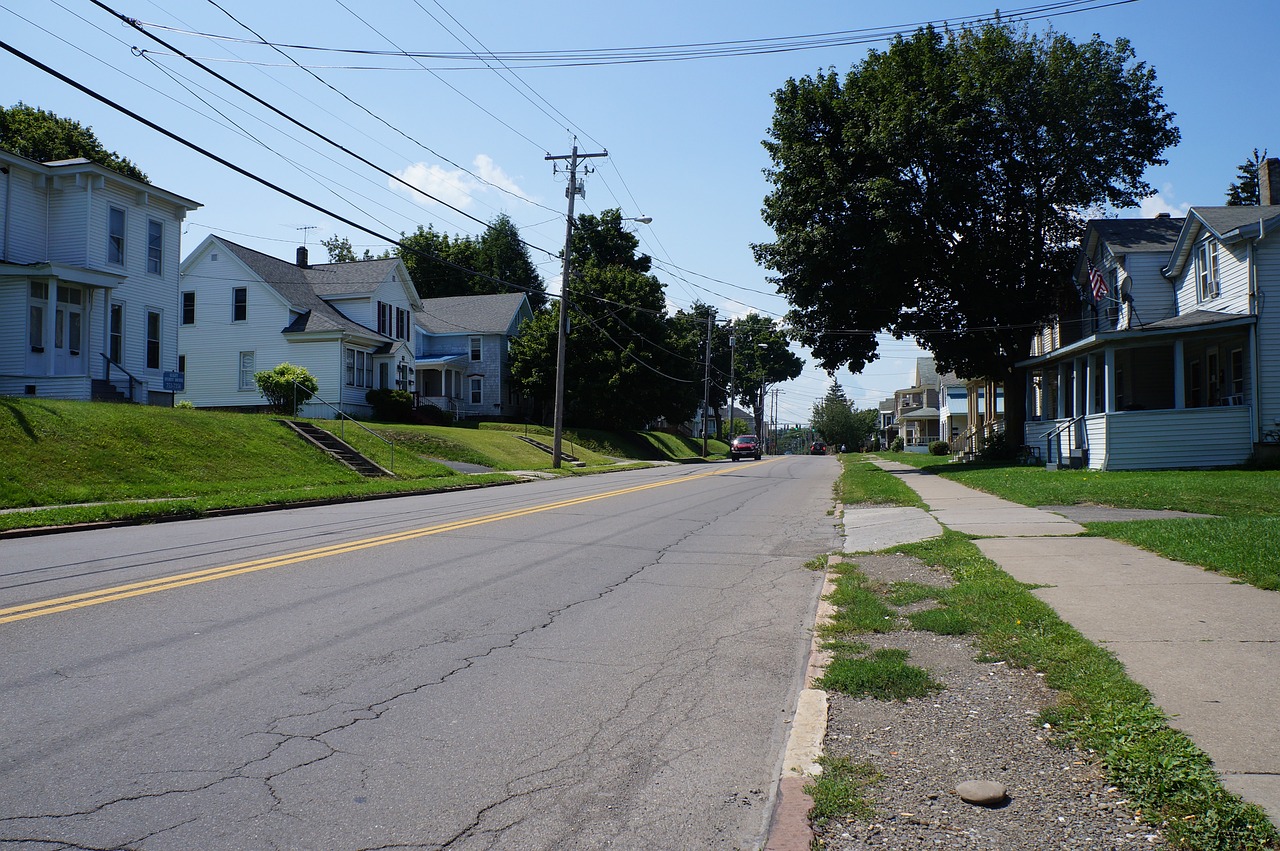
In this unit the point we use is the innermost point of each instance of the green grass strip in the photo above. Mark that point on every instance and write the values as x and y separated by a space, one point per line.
1166 777
863 482
884 674
1242 547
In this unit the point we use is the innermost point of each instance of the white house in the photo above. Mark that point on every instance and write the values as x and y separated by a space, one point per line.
88 282
351 325
462 354
1177 364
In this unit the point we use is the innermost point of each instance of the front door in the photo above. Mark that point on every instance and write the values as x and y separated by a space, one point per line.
69 331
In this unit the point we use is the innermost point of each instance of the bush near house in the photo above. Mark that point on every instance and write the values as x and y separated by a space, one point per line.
286 387
391 406
939 447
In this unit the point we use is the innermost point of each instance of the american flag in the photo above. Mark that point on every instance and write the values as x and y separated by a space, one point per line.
1097 282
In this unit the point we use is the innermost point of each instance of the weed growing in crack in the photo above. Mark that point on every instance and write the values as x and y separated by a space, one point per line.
840 790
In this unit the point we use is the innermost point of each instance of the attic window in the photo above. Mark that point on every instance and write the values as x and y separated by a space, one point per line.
213 258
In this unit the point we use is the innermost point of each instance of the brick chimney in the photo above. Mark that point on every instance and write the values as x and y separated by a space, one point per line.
1269 182
302 254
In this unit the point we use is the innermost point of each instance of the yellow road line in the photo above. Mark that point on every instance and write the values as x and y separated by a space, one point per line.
151 586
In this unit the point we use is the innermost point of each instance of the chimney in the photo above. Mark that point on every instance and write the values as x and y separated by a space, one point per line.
1163 216
302 257
1269 182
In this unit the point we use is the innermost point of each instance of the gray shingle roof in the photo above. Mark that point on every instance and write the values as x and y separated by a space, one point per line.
294 284
1125 236
474 314
1197 318
1223 220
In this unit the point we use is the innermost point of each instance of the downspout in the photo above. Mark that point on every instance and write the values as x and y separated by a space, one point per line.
1255 308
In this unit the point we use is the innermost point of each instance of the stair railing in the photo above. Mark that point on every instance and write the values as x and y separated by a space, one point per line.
342 417
106 373
1052 436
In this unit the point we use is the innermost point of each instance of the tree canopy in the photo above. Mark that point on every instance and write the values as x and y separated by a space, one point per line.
939 189
625 364
761 357
839 424
33 133
1243 192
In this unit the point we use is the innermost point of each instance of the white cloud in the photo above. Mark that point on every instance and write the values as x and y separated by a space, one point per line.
1162 202
456 186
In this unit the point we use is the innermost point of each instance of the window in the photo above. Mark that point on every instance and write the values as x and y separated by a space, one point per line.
182 363
153 339
477 391
247 369
384 375
358 367
115 334
475 348
239 304
384 318
35 315
189 308
1207 269
402 324
155 246
115 236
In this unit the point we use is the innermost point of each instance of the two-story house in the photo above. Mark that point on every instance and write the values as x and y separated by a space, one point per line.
462 354
88 282
1174 359
351 325
916 408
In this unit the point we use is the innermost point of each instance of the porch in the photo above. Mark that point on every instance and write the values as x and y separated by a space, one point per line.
1177 393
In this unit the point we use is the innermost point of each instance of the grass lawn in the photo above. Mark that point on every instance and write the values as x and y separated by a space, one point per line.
58 453
1243 541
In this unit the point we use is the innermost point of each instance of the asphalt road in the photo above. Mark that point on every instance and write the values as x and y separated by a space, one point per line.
607 661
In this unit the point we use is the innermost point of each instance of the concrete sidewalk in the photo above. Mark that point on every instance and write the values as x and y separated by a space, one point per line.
1205 647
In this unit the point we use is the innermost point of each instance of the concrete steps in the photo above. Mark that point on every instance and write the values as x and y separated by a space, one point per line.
336 448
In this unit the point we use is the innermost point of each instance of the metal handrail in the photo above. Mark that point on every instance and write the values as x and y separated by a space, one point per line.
1053 435
343 416
107 372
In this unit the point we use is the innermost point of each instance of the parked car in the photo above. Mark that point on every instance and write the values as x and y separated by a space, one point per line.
745 446
818 448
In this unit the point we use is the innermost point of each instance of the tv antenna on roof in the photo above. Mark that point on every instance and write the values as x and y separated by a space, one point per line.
304 230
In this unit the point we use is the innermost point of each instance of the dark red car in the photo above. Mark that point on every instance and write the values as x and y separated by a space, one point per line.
745 446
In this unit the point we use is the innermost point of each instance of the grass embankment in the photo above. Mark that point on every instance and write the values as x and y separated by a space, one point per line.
1242 541
188 462
1166 777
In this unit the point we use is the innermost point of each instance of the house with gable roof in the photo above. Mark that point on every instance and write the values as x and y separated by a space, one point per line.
462 354
88 282
351 325
1176 361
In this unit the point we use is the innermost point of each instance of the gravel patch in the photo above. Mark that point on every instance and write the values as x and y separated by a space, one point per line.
982 727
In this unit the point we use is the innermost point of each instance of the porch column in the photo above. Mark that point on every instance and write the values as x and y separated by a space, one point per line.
1109 359
50 326
1179 377
1063 387
1257 425
106 333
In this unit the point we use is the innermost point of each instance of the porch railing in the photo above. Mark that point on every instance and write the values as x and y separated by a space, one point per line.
342 417
106 372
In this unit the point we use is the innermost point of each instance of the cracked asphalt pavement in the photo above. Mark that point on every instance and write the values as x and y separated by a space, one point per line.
595 663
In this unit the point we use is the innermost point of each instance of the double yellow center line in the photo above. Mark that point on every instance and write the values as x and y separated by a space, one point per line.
151 586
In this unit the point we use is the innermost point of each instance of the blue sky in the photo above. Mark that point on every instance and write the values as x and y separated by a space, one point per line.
683 137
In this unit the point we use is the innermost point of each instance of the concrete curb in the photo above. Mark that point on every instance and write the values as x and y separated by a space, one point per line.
789 828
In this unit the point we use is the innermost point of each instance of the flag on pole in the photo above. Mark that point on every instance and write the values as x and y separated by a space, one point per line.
1097 283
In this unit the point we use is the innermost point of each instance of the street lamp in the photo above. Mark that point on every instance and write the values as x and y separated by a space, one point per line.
644 220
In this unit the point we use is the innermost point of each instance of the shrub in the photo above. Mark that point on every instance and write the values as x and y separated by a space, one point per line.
392 406
186 405
286 387
432 415
897 445
939 447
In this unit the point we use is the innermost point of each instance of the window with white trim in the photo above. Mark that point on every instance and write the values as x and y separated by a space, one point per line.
1207 269
115 236
247 370
358 367
115 333
35 315
477 391
155 246
239 304
189 307
475 348
153 339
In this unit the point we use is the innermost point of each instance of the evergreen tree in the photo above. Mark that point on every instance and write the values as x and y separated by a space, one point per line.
1244 191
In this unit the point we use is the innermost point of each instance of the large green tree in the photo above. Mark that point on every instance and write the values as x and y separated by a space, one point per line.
33 133
839 424
625 366
498 255
938 190
1243 192
762 357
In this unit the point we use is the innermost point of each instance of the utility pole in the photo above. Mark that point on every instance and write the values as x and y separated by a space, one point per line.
706 383
562 334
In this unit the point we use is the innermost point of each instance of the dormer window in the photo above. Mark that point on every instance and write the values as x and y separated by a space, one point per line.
1207 270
